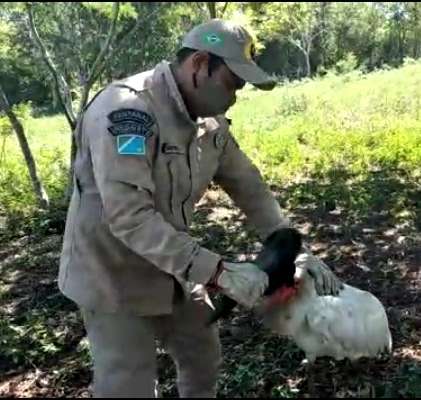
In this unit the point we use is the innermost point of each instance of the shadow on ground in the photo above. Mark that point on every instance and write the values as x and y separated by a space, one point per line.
365 229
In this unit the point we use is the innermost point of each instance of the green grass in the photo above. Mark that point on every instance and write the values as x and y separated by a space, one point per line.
349 143
354 122
49 140
350 124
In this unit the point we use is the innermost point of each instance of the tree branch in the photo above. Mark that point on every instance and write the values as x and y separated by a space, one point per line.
319 32
126 36
60 82
224 8
99 61
297 44
110 36
26 151
211 8
199 5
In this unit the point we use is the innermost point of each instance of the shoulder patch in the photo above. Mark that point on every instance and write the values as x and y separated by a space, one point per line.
129 121
131 145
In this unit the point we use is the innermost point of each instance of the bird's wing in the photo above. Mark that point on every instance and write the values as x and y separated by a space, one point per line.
353 323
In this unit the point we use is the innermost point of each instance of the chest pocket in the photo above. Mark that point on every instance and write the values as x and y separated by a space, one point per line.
179 171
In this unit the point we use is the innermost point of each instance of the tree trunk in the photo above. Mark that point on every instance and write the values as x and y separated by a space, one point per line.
324 9
304 45
61 82
29 159
402 37
308 65
224 9
93 75
416 31
212 9
61 86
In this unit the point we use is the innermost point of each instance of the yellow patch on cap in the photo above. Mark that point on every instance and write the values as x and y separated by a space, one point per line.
250 51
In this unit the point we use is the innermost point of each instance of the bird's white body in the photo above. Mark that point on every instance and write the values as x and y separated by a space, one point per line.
351 325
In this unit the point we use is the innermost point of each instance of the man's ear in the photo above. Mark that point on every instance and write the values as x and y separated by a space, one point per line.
199 59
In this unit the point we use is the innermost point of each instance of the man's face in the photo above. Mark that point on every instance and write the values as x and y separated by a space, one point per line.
214 94
229 80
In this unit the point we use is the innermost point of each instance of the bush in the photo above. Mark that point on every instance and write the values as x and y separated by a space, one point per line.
48 138
347 64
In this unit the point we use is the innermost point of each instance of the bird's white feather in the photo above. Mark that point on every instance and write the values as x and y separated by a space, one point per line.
351 325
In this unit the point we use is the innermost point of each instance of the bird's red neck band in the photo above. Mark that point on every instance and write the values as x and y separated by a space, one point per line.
282 295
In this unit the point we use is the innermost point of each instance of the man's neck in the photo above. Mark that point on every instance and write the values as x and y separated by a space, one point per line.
175 69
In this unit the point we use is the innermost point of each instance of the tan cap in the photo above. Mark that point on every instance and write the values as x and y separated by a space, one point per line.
232 43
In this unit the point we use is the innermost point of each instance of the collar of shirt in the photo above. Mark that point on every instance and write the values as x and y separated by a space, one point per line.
164 69
202 125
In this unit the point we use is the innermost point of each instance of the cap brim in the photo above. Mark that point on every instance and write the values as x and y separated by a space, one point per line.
251 73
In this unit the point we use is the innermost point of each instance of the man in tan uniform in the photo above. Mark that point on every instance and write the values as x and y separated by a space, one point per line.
148 146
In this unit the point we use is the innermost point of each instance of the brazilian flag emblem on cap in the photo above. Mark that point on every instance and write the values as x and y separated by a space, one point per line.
213 38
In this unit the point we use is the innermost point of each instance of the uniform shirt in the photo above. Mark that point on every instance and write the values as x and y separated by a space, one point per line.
141 166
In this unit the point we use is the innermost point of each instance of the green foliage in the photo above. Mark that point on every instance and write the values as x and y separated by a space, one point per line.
19 73
347 64
127 10
23 112
15 169
338 128
358 136
408 383
354 121
40 335
349 143
240 379
375 33
49 140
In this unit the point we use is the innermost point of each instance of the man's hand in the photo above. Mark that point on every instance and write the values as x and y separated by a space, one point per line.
325 281
243 282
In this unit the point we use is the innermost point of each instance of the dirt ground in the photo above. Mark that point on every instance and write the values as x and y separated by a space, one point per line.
43 350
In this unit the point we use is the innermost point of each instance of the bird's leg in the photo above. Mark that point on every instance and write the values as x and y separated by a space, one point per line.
309 363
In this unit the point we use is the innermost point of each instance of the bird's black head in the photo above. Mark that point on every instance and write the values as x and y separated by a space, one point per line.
277 257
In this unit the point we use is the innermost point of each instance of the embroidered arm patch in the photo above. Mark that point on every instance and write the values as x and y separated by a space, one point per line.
131 145
128 121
